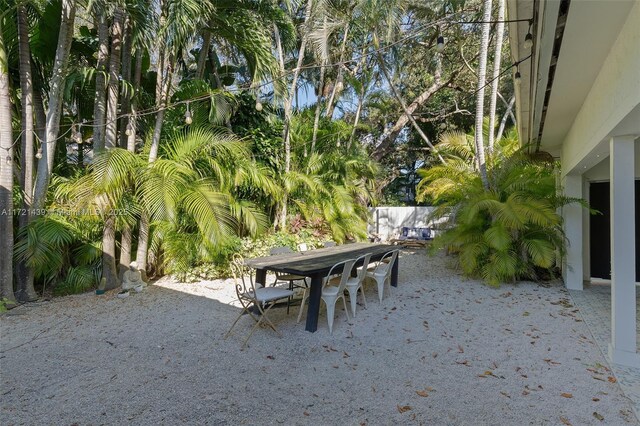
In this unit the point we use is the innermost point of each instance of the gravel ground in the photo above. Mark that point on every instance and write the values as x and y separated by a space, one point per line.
442 350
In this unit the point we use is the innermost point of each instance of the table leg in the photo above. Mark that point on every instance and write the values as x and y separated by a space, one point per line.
394 272
261 277
315 292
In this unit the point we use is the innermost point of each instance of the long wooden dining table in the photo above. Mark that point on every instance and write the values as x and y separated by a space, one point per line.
315 264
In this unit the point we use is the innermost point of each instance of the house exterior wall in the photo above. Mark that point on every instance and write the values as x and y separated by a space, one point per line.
613 97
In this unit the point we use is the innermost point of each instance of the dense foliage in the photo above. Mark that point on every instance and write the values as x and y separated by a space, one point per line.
509 232
166 131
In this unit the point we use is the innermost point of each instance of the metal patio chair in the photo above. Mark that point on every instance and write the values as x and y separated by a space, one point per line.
263 298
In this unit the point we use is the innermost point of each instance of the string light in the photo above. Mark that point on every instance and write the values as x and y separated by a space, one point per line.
187 116
258 105
528 39
129 130
440 43
9 160
39 153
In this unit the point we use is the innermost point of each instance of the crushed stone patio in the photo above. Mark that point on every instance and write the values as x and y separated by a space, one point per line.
442 350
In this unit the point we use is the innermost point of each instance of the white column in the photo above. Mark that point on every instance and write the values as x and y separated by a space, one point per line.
572 219
586 237
623 349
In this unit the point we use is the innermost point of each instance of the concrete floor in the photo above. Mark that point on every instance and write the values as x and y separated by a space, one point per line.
594 303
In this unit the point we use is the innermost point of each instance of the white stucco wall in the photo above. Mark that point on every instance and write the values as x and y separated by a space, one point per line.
614 96
387 222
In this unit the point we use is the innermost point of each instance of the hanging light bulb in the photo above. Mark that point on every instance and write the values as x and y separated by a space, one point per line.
9 160
443 126
338 144
440 44
517 77
129 130
39 153
528 39
187 116
305 153
258 105
339 86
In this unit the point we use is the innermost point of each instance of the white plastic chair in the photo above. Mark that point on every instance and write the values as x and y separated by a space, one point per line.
381 273
248 295
331 293
356 283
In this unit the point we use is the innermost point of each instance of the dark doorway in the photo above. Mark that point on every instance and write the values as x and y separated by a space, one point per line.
600 230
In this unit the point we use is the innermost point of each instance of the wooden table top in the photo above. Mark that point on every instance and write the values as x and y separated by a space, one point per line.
312 262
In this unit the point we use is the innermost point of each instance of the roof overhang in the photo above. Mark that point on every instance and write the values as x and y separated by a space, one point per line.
571 41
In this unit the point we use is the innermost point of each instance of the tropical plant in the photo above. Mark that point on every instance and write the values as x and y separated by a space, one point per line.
508 232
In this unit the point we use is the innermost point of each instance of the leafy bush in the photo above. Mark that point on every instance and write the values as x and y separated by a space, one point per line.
253 247
508 232
64 251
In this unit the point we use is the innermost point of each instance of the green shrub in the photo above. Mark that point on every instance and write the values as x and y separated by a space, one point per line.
252 247
508 232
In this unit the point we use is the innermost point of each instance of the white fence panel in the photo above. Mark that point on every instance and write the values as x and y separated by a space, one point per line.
387 222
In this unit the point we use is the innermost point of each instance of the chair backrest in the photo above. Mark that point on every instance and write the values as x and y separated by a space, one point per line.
391 256
329 243
242 277
280 250
347 266
365 262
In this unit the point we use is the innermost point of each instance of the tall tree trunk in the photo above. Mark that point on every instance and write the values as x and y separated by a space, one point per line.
163 84
125 110
356 120
40 115
482 72
507 113
361 95
403 104
316 119
321 90
137 77
496 74
100 100
336 87
109 270
111 133
56 93
6 180
389 136
125 94
281 215
204 53
26 292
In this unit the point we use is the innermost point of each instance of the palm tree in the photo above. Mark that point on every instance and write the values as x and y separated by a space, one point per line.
6 178
26 291
100 101
495 82
482 72
54 110
511 231
238 26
